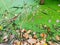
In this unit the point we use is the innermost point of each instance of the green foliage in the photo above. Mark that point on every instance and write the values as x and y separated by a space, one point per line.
33 16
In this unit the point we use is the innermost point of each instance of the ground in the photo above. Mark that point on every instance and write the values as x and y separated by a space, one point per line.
47 14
